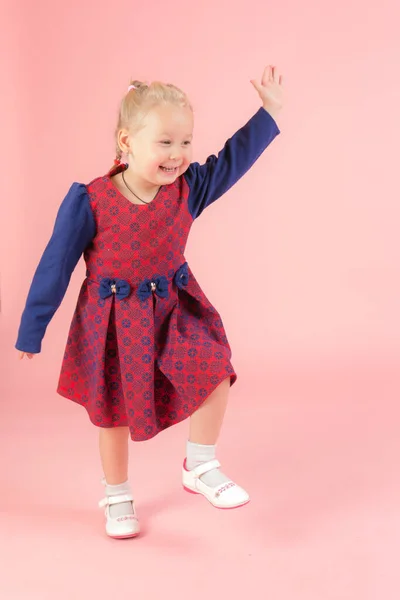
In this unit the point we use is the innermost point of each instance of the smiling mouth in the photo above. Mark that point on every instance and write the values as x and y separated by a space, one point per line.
169 169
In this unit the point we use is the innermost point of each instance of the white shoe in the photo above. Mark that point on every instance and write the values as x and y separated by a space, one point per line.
227 495
125 526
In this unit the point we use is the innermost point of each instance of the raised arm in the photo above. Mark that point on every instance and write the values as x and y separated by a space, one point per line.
210 181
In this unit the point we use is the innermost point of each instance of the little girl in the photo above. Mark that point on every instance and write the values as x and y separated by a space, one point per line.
146 349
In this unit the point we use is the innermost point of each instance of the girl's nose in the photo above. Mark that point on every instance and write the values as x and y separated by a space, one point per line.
175 152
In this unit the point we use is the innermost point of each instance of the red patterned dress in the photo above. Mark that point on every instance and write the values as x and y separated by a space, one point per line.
145 347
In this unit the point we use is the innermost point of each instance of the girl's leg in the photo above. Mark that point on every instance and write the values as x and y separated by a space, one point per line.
205 427
206 422
113 444
114 454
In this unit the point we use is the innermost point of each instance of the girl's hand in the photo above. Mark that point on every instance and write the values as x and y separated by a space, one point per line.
28 354
270 90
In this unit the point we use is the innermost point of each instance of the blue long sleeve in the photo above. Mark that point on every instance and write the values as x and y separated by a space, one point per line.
210 181
73 231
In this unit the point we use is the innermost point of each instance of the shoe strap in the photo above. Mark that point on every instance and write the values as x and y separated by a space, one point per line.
206 467
118 499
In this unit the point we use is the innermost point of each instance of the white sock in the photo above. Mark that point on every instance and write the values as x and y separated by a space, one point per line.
124 508
197 454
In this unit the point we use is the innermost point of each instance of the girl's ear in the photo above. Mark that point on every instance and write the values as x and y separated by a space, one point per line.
123 140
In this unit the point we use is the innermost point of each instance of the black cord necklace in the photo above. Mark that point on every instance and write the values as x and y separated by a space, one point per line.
132 192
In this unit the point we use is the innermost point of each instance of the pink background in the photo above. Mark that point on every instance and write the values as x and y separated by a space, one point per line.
302 260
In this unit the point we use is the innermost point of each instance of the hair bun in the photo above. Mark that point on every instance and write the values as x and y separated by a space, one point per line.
138 84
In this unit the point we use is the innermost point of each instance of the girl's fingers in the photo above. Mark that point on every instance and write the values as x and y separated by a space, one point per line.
275 75
271 75
266 75
28 354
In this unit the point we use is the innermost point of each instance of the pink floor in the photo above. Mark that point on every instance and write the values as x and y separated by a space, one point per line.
320 458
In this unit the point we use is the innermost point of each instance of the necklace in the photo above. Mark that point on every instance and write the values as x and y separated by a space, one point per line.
132 192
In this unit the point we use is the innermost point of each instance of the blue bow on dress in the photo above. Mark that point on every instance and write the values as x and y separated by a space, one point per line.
181 278
159 285
119 287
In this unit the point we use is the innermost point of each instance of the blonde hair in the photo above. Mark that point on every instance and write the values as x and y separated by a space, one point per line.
140 98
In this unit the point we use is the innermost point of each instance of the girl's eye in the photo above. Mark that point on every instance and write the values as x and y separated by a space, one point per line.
187 143
166 142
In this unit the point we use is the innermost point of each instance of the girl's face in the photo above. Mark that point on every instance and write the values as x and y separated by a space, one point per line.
161 150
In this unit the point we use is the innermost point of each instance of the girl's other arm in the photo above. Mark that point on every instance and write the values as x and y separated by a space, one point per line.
73 232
